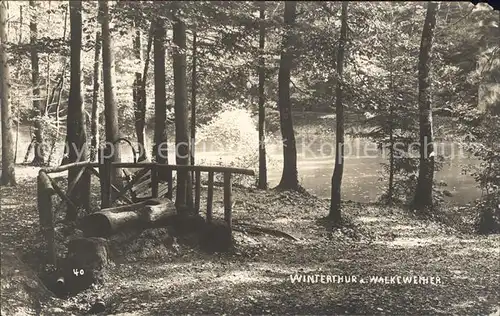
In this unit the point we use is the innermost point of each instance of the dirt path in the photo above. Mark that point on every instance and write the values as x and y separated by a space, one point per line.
256 279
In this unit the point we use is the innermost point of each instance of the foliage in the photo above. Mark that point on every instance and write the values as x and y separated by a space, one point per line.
233 134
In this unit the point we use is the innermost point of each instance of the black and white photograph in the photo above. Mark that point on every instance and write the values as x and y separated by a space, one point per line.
249 158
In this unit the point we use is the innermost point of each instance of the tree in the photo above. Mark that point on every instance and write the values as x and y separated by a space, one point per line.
76 132
60 85
94 117
160 151
38 107
262 99
182 147
289 177
423 194
110 106
335 209
8 169
139 94
193 94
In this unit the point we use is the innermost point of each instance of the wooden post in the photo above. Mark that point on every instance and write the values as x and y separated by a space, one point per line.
210 195
154 180
46 192
189 189
169 183
105 175
227 198
72 185
197 191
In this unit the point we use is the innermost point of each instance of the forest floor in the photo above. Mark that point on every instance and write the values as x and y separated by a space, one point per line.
255 278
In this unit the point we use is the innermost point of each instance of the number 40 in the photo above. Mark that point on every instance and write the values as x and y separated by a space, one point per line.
78 272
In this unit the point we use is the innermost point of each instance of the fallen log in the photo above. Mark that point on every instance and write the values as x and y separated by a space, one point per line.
139 215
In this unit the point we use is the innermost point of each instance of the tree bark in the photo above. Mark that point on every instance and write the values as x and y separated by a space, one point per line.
180 104
335 208
139 97
423 194
8 163
262 110
160 151
38 107
76 132
289 177
110 107
94 119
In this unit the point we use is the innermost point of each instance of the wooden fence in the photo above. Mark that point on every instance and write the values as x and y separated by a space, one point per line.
110 193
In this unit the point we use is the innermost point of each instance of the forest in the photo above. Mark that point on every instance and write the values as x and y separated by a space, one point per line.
250 157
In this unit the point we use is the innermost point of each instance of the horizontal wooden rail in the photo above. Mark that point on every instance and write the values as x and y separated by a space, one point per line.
69 166
248 172
184 168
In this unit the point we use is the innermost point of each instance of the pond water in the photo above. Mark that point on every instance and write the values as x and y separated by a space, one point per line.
362 170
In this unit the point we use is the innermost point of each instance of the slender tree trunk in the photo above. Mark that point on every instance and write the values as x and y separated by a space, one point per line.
423 194
139 96
18 74
193 95
391 118
59 95
110 106
335 209
38 107
8 164
48 99
181 109
94 119
76 132
289 178
160 150
262 99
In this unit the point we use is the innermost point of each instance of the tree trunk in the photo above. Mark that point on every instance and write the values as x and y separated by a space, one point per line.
59 94
391 118
181 113
289 178
110 106
76 132
18 74
262 110
193 96
8 163
139 97
94 119
160 151
335 209
423 194
38 107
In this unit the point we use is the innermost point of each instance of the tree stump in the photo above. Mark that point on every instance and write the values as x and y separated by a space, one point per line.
85 263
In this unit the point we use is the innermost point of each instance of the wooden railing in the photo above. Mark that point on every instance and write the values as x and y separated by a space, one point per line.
48 188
